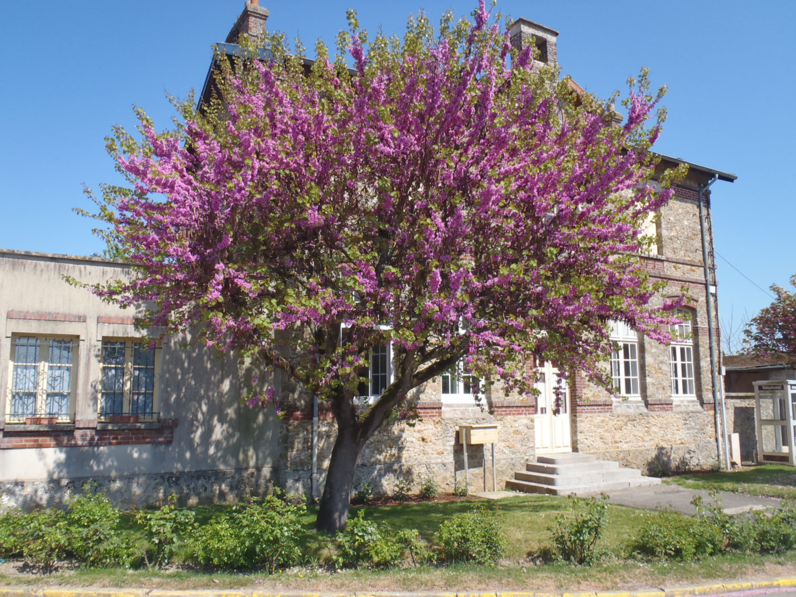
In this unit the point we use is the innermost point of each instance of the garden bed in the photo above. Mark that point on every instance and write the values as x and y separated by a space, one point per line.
521 525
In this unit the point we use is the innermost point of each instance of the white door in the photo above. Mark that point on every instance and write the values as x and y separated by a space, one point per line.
552 428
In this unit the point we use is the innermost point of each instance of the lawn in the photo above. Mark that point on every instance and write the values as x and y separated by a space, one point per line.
772 480
526 521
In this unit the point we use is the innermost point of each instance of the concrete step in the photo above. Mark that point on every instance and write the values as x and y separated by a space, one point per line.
581 477
585 489
578 474
566 458
576 468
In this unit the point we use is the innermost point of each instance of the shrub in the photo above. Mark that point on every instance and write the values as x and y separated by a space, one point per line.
255 534
94 535
761 532
775 533
364 495
13 526
402 491
575 535
678 538
472 537
429 489
46 538
164 529
364 542
419 551
461 489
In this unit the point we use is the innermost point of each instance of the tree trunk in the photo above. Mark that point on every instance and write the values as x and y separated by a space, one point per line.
336 498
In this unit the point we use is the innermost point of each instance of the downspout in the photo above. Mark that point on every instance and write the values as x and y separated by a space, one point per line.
718 404
314 475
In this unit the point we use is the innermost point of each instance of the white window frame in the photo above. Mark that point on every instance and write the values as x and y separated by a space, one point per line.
42 372
130 410
681 358
624 360
456 376
371 396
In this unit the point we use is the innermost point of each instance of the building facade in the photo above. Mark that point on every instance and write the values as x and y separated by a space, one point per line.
86 395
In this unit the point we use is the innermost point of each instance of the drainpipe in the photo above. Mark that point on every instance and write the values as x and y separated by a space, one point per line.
314 475
718 404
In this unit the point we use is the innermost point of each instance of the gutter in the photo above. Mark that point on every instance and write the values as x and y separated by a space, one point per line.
719 409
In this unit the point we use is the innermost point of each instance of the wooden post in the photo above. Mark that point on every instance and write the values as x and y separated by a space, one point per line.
466 472
494 472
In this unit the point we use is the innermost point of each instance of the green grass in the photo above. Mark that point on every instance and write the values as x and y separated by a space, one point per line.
610 575
772 480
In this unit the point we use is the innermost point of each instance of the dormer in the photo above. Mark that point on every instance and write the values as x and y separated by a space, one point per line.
524 32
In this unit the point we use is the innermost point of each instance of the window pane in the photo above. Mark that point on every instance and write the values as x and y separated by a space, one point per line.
113 353
143 382
24 378
112 382
59 378
446 383
26 350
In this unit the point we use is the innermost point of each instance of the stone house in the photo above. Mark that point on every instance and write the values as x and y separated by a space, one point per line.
85 395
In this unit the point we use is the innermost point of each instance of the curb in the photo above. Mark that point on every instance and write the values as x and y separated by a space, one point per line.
663 592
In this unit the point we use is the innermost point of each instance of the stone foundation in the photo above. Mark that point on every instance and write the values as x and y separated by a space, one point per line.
193 488
680 440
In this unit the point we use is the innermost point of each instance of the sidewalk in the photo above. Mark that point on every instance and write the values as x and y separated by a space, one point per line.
770 586
674 497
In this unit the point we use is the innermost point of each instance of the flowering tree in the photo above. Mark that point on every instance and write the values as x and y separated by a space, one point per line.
446 195
773 331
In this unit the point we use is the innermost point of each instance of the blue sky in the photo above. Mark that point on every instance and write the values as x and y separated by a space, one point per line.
74 69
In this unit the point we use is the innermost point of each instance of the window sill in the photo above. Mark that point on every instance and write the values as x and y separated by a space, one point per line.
147 425
16 427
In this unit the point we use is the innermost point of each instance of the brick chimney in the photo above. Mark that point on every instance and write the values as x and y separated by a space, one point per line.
524 32
250 22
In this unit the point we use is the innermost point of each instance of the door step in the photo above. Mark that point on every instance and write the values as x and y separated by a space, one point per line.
576 474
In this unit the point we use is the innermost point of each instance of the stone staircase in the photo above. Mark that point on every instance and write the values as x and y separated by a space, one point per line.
576 474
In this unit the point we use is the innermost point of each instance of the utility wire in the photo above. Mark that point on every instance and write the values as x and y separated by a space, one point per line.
744 275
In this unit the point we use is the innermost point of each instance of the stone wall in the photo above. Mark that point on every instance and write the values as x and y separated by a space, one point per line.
399 451
681 439
741 420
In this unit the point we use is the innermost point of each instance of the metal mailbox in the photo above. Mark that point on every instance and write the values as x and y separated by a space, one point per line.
478 434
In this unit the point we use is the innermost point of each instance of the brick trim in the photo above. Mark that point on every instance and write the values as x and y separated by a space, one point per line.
514 410
117 320
305 414
41 316
660 408
429 410
82 438
585 408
